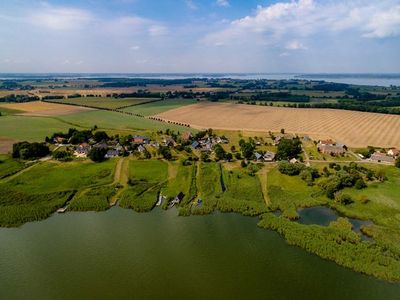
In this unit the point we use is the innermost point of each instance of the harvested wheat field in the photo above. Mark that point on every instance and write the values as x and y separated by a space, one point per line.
356 129
38 108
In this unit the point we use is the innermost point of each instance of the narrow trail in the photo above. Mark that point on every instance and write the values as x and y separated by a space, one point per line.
263 177
11 177
121 177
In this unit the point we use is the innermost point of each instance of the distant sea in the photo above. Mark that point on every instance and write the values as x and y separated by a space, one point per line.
384 79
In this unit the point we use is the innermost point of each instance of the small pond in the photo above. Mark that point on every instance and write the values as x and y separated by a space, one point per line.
322 215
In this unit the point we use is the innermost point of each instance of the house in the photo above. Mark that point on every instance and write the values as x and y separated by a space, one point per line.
141 140
294 161
82 150
258 156
59 140
277 140
119 148
101 146
222 140
394 152
269 156
111 153
382 157
195 145
141 148
330 147
186 136
326 142
169 142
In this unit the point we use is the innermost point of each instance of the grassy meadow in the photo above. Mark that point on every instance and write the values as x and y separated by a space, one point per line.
146 178
9 166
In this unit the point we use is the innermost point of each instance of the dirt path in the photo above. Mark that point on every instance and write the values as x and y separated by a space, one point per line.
263 176
9 178
121 177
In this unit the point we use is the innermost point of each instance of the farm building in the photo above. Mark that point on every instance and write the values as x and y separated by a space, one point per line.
330 147
141 140
382 157
269 156
82 150
394 152
111 154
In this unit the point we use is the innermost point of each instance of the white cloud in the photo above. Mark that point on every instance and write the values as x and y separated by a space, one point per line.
134 48
223 3
157 30
295 45
60 18
277 23
191 5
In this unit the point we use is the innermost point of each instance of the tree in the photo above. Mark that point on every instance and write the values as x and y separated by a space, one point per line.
360 184
228 156
165 152
25 150
283 131
100 136
204 157
219 152
97 154
61 155
397 163
288 149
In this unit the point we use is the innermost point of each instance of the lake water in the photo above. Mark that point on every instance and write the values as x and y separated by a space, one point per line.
122 254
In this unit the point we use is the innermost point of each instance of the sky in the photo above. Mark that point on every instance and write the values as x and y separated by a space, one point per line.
185 36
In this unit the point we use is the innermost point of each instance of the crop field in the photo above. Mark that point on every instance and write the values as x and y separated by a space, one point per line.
39 108
104 102
356 129
146 178
29 129
150 109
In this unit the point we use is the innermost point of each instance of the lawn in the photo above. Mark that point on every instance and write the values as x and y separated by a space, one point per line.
146 178
104 102
150 109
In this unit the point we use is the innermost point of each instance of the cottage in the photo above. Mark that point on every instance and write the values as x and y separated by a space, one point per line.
269 156
382 157
186 136
141 140
394 152
141 148
111 154
294 161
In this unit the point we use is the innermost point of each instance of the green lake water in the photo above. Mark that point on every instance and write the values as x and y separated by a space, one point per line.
122 254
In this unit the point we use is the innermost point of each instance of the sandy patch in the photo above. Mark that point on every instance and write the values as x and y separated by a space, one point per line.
6 145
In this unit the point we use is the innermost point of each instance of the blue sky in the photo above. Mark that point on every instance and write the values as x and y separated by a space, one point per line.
200 36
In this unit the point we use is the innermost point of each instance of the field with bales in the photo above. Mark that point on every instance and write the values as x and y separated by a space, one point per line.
356 129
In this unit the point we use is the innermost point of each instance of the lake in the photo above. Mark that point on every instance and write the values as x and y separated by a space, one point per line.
123 254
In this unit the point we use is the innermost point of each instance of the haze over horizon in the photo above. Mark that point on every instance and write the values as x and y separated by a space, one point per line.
200 36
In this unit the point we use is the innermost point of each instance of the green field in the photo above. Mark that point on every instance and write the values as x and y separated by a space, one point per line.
8 112
150 109
288 193
146 179
31 129
182 179
104 102
93 199
9 166
35 193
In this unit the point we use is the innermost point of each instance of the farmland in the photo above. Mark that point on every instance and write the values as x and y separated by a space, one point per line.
356 129
39 108
104 102
150 109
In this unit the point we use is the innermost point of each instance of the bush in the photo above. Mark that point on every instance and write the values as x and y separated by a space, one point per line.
360 184
97 154
290 169
342 198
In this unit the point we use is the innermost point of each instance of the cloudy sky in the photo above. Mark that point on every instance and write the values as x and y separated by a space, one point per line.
200 36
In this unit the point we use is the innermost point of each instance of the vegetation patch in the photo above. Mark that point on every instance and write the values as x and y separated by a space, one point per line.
93 199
